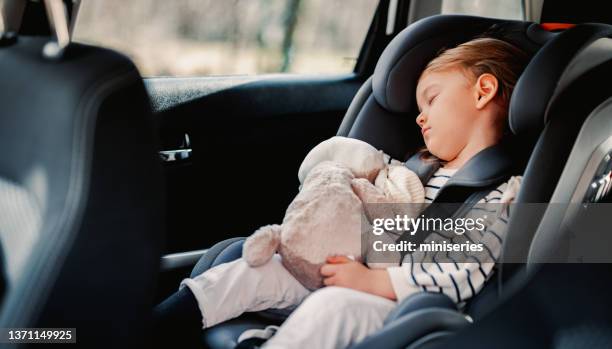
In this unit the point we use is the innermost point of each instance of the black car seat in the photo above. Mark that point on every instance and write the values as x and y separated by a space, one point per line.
81 216
569 60
382 114
561 298
562 103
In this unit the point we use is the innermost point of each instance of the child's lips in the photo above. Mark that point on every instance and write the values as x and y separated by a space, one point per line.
424 129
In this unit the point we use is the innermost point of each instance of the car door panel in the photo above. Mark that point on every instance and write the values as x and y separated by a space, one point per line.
248 136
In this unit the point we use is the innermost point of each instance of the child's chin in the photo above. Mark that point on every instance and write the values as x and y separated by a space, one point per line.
438 155
432 150
435 151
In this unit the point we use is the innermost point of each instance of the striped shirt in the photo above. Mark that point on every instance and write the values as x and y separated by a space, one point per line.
463 279
437 180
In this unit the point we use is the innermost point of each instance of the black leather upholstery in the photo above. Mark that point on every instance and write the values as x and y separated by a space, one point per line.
81 179
225 335
590 124
535 89
421 301
422 326
570 103
222 252
550 311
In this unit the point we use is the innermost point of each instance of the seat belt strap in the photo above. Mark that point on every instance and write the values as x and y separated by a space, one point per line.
443 211
424 169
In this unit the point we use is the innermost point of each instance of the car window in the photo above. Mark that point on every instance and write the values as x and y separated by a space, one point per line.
214 37
507 9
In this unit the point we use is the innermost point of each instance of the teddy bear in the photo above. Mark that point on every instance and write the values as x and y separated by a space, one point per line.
327 215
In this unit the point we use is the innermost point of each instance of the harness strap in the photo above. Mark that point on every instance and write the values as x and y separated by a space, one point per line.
459 200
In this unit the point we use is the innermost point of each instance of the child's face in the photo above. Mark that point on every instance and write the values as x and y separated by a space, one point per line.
449 109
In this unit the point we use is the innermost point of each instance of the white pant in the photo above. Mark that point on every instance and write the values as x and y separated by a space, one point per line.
330 317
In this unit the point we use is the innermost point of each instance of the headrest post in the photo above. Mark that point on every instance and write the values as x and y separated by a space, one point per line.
391 17
11 15
76 5
58 21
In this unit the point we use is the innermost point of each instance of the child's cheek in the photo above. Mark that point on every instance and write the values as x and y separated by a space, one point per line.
432 145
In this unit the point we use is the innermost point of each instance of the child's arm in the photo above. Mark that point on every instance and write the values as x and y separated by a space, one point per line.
462 279
344 272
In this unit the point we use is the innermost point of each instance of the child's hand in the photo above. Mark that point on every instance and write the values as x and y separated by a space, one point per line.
345 272
340 259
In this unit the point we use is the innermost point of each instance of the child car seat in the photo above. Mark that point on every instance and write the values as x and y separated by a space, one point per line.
573 129
382 114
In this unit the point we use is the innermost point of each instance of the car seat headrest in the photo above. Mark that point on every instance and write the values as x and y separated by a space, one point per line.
401 63
538 83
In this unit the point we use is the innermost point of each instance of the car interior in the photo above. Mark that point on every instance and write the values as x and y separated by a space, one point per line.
115 187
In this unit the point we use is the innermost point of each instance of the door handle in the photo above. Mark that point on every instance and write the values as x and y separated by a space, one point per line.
180 154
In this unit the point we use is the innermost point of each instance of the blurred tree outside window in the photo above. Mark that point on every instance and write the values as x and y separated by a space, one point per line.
229 37
507 9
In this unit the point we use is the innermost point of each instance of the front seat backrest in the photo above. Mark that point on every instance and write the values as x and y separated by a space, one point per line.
80 200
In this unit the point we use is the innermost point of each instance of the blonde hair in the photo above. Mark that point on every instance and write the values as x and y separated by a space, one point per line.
485 55
479 56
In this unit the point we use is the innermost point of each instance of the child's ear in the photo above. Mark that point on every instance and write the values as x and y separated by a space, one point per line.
486 89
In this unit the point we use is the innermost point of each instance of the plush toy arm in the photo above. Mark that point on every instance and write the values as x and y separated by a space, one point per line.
367 192
400 185
261 245
375 201
403 189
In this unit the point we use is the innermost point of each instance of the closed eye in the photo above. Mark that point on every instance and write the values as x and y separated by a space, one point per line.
432 98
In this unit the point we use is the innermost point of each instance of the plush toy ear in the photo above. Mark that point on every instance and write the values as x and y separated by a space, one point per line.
259 248
321 152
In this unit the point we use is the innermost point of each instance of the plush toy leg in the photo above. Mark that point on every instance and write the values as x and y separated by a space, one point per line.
261 246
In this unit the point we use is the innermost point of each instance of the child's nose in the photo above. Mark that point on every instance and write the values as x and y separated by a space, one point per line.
420 120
